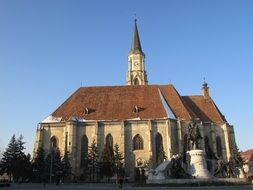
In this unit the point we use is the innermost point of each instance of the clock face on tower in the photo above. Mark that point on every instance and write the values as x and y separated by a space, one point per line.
136 64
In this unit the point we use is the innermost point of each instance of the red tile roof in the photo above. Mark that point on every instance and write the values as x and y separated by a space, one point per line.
175 102
118 102
204 109
247 155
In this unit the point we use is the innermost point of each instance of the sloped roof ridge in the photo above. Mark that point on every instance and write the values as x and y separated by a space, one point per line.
166 105
192 96
179 96
70 97
220 115
247 151
123 86
191 112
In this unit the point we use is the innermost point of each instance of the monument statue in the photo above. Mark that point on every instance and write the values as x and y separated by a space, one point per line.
197 166
194 136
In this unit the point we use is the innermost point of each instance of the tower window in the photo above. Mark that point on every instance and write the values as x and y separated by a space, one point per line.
136 81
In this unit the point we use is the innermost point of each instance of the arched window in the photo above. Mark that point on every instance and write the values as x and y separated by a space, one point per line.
108 154
209 154
84 150
208 148
186 147
160 154
137 142
186 143
53 143
109 141
218 147
136 81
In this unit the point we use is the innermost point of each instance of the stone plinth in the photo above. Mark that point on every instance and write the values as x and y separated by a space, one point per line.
198 167
160 173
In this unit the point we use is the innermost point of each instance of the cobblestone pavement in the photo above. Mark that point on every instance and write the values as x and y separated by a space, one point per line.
112 186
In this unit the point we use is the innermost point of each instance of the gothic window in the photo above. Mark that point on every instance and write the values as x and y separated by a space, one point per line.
186 147
208 148
84 150
53 142
109 141
136 81
159 148
186 143
218 147
137 142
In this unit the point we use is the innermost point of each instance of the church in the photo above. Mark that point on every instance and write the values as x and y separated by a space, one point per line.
140 117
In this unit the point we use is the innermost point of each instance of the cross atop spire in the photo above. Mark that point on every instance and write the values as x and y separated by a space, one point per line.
136 44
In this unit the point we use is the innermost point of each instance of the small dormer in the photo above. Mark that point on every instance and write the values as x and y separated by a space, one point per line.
137 109
88 110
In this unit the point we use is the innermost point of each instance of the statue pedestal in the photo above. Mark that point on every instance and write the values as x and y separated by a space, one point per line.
198 166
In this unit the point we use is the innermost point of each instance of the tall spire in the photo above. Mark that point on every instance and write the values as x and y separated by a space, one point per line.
136 44
136 74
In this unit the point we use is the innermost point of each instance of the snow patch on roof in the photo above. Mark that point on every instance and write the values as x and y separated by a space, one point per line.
137 118
52 119
78 119
166 106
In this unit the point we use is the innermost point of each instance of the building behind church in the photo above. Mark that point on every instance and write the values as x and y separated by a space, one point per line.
139 117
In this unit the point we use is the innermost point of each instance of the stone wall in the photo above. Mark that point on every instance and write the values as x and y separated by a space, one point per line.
172 131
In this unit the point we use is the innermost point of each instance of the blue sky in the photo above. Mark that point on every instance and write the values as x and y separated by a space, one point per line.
48 48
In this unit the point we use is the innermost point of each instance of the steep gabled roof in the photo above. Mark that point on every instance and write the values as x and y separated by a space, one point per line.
175 101
113 103
204 109
121 103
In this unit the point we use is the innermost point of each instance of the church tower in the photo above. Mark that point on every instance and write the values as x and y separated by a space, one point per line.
136 74
205 90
